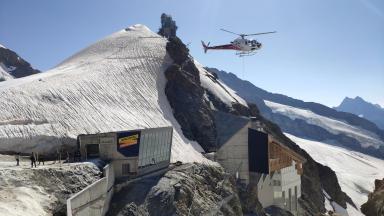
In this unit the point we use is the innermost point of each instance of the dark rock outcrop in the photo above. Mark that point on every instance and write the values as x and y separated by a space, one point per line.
276 211
191 189
20 67
375 204
186 97
168 26
249 200
331 186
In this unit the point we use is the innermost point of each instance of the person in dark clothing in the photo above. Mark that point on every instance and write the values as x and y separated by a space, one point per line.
33 160
41 159
17 159
77 156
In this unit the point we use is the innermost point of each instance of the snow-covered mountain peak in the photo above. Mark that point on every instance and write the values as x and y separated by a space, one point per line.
138 27
118 83
363 108
116 44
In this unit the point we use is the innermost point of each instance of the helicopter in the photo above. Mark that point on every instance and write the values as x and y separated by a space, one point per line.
243 46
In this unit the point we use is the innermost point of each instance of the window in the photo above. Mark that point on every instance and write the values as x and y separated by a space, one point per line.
92 150
276 183
277 194
125 169
289 199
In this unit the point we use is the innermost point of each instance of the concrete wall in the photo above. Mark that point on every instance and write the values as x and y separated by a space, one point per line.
93 200
290 179
270 193
117 166
265 191
233 155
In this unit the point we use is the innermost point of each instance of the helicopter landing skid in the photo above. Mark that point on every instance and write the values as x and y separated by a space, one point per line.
243 54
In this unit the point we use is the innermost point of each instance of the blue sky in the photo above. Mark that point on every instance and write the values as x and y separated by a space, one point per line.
324 50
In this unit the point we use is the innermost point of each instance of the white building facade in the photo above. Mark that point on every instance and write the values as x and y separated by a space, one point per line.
281 188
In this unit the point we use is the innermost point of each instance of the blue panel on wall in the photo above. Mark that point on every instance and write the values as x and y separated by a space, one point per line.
258 151
128 143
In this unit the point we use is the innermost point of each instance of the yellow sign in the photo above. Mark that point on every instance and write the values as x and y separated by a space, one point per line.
128 140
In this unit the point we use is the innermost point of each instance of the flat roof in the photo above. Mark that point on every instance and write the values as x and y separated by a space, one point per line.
124 131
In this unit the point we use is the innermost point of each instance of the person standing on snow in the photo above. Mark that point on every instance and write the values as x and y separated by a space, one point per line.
41 159
33 160
17 157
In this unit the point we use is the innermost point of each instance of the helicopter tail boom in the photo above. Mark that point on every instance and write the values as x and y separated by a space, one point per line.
220 47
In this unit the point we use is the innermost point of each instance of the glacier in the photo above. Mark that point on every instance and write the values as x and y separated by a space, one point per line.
334 126
355 171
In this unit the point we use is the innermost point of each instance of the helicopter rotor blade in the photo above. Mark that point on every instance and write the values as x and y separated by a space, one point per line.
260 33
230 32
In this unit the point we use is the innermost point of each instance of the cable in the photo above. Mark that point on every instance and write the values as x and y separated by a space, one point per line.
243 66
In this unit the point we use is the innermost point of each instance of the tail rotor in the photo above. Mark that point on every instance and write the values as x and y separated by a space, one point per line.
205 46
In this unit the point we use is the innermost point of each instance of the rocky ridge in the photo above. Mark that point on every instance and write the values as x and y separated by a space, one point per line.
14 65
375 204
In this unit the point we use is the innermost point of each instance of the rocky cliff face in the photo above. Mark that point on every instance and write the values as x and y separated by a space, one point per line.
186 97
375 204
14 64
190 189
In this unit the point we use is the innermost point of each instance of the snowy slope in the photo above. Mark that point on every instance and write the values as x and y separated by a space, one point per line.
219 89
355 171
115 84
366 138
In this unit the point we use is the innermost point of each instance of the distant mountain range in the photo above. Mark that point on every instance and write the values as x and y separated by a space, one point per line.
13 66
364 109
308 119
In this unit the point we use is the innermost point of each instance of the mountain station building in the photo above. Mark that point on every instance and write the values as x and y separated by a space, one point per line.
132 153
257 158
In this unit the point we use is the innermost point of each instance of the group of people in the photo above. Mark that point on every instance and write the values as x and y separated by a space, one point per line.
36 157
33 157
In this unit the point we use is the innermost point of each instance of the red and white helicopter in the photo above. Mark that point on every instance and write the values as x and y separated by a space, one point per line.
243 46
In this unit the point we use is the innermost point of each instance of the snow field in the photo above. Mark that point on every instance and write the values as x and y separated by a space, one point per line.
219 89
355 171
